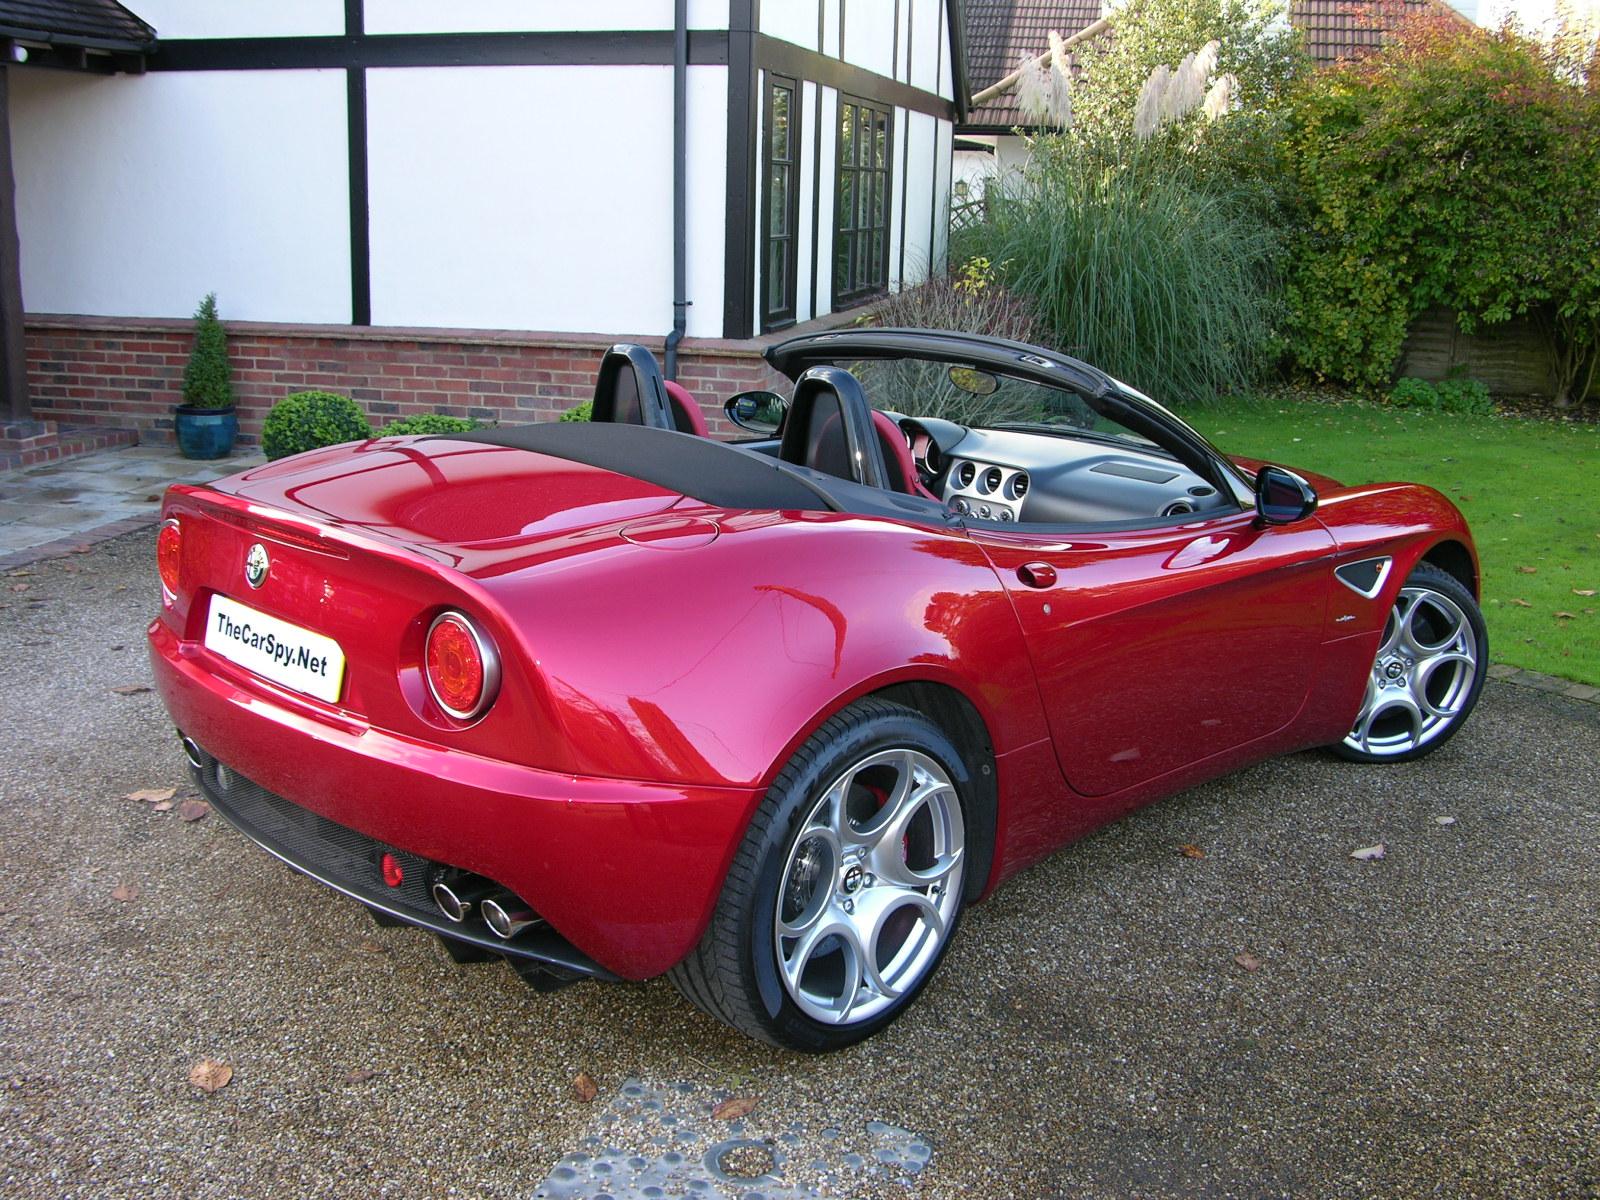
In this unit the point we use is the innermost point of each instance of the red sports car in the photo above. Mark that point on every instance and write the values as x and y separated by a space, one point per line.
616 699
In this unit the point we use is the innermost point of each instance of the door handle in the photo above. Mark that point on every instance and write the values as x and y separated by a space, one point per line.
1037 574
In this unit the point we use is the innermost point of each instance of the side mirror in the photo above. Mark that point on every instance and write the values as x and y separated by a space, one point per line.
1282 497
759 412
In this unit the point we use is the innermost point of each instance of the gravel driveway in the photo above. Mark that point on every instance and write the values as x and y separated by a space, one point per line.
1428 1024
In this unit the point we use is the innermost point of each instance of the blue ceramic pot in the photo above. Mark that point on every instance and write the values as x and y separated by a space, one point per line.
206 432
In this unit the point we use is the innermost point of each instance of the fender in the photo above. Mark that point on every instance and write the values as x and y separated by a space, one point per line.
722 654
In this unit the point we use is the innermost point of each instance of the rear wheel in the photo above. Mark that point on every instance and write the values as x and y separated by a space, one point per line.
1427 675
847 888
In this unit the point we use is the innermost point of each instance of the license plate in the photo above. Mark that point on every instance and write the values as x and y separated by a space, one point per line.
276 650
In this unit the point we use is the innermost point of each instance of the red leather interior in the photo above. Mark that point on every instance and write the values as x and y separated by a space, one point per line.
897 457
686 414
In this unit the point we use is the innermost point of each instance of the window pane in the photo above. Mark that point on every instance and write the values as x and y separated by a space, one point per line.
780 123
841 263
880 140
864 137
877 273
847 133
878 199
847 199
777 276
778 193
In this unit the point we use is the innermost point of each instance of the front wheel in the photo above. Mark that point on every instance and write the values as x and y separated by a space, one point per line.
847 888
1427 675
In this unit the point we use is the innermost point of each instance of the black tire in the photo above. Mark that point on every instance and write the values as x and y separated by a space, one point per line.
733 973
1458 621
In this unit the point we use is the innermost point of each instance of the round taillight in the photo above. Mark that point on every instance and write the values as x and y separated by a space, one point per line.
462 669
169 542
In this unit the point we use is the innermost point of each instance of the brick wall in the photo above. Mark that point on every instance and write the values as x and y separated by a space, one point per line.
129 373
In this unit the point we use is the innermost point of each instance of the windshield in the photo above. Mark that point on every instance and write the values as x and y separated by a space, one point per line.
983 399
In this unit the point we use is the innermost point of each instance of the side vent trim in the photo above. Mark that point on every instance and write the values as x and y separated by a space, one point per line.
1366 577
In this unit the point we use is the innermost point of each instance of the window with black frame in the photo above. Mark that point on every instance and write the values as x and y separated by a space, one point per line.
782 183
861 218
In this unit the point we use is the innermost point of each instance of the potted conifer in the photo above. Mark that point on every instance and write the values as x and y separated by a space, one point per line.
205 421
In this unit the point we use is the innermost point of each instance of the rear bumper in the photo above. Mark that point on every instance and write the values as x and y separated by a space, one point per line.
627 872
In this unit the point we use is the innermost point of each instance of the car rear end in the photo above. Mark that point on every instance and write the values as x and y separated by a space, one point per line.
354 695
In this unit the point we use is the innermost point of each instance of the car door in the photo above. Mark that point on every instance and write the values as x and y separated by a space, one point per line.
1158 647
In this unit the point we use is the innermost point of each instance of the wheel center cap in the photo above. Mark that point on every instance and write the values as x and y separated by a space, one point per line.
1394 669
852 878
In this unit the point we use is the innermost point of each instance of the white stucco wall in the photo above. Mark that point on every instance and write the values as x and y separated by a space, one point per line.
136 195
869 36
242 18
530 220
921 133
493 16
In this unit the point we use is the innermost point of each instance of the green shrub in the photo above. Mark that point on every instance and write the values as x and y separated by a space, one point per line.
1151 268
206 382
579 412
429 423
307 420
1457 168
1468 397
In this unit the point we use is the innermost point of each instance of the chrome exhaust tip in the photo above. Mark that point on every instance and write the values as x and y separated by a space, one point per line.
506 916
191 751
455 895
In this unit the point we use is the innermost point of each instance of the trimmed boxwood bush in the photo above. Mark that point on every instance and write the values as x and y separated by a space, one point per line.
429 423
580 412
307 420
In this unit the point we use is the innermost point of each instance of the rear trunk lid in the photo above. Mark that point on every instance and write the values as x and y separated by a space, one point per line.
364 545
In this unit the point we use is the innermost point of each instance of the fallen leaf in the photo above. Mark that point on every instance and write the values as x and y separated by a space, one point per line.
1368 853
1527 570
359 1075
1444 820
125 892
1248 961
372 947
585 1088
208 1075
161 806
193 810
1565 616
1189 850
151 795
1519 603
733 1108
20 587
1583 591
81 549
130 689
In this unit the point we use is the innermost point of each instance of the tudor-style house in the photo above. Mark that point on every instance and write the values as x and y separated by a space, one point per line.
456 204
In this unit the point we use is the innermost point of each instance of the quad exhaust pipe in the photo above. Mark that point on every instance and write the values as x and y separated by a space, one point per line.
457 893
506 916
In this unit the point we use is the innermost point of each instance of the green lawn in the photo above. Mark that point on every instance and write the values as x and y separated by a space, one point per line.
1529 488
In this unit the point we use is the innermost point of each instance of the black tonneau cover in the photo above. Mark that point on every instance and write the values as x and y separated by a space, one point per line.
712 472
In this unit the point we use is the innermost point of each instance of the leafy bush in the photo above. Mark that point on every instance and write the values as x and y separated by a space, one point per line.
1140 261
1456 168
429 423
974 301
579 412
1468 397
1257 50
307 420
206 382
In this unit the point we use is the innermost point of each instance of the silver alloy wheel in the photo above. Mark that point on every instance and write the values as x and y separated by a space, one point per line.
870 887
1422 677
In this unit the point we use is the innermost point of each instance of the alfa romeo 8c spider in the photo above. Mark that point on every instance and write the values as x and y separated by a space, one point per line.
617 699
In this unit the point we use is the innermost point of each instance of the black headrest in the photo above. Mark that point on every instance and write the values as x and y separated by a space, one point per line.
629 390
823 395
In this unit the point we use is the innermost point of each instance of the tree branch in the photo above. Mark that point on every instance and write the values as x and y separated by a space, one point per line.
1002 86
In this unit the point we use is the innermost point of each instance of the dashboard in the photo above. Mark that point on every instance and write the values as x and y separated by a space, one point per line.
1013 476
